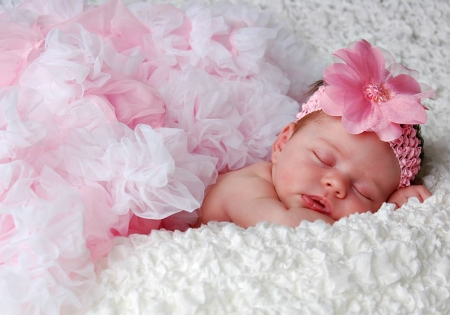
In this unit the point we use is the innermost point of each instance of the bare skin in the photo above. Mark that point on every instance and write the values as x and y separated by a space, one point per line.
319 172
401 196
246 207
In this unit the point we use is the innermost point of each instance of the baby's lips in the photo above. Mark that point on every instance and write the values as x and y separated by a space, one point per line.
316 203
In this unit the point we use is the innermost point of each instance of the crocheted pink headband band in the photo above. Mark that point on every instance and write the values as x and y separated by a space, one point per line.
370 97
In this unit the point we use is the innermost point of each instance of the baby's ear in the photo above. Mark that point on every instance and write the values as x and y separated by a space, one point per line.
281 140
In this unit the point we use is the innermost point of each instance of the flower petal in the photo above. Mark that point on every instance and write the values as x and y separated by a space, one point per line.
341 96
389 132
340 74
329 106
366 60
370 97
355 121
404 109
403 84
352 127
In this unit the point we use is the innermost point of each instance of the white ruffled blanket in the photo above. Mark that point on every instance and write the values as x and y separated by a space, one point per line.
391 262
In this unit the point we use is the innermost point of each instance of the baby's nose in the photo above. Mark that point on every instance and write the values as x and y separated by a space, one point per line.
337 183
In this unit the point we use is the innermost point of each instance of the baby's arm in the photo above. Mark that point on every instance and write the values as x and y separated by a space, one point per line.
271 210
246 199
401 195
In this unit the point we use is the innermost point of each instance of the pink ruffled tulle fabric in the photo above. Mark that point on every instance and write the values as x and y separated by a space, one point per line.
114 120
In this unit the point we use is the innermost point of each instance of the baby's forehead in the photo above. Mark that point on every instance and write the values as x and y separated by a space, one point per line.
320 120
365 148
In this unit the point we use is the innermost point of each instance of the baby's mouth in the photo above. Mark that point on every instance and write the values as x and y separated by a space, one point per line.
316 203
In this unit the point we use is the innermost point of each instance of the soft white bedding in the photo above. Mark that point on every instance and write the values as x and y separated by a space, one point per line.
391 262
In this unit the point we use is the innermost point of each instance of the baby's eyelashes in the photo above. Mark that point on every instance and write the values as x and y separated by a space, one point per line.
362 193
323 159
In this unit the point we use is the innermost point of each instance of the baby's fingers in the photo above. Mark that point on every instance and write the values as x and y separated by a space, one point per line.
401 195
422 193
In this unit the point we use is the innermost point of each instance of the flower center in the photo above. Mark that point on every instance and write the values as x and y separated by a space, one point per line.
376 92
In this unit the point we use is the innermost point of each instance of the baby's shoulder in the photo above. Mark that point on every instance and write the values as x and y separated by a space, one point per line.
256 177
261 169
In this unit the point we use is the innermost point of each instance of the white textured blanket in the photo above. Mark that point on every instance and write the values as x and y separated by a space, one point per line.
391 262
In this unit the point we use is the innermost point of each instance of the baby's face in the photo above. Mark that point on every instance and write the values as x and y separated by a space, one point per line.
324 168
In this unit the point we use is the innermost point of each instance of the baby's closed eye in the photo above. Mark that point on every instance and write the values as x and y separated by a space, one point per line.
363 192
324 158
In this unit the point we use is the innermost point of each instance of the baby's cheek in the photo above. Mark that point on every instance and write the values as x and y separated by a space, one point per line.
376 206
370 206
350 207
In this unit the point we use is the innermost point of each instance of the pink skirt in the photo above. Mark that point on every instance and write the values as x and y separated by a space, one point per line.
115 120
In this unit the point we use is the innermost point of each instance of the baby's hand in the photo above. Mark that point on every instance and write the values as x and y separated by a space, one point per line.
401 195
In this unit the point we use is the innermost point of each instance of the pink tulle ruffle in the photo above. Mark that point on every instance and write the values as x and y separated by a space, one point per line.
115 119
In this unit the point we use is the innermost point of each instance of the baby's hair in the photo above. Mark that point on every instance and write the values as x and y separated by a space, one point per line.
313 88
422 141
314 115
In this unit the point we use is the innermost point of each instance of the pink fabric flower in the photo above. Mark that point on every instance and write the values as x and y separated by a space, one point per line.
371 97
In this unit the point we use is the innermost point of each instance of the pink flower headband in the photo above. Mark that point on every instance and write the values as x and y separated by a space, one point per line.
371 97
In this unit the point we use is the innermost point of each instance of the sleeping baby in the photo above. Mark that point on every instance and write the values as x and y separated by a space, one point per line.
355 144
